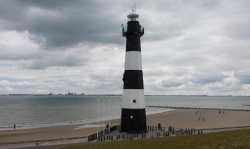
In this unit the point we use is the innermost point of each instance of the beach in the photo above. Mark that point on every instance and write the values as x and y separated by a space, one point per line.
178 118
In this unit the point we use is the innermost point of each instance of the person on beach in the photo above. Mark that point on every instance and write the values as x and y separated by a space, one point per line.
111 127
199 118
159 126
203 119
14 126
107 126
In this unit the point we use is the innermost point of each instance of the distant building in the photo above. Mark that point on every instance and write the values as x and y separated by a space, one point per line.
70 93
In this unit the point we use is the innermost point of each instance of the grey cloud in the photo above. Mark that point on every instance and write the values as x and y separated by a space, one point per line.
62 24
66 23
183 15
43 63
172 82
226 89
55 59
239 30
207 78
191 44
243 76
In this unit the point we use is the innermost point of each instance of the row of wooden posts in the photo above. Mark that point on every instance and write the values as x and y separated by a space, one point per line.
119 137
101 135
186 131
158 134
155 128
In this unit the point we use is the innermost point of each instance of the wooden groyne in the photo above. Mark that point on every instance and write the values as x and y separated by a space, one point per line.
221 109
155 132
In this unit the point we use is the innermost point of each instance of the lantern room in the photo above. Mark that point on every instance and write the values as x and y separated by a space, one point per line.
133 16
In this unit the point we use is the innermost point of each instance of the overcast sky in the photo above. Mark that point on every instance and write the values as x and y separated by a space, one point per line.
192 47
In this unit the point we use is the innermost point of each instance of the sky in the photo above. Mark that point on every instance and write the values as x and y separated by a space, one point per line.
191 47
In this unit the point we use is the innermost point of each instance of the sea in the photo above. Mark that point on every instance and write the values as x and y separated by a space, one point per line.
43 111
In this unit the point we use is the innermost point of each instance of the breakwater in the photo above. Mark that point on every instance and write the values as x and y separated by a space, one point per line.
197 108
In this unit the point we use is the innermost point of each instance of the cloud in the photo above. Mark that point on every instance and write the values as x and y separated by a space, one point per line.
62 26
9 89
243 76
172 82
194 47
61 59
207 78
17 46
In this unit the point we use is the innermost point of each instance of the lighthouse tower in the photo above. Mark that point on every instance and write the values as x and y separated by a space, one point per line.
133 114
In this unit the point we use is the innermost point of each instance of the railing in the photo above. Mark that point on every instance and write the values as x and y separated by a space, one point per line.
124 31
140 32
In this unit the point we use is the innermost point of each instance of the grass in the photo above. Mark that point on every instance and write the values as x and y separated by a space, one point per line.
238 139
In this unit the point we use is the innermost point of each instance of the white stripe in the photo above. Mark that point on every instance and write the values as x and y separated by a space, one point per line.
133 60
133 94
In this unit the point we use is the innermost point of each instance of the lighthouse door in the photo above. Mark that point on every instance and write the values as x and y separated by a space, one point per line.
134 123
125 120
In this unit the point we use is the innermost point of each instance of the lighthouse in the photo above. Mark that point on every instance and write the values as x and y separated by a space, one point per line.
133 113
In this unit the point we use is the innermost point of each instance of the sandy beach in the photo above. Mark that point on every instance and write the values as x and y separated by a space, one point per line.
177 118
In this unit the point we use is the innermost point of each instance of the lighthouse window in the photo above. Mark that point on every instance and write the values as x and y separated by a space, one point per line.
134 101
127 81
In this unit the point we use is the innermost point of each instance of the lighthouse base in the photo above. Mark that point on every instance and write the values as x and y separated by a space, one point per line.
133 121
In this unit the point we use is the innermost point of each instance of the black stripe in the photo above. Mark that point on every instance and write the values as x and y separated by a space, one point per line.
133 43
133 26
133 79
136 124
133 37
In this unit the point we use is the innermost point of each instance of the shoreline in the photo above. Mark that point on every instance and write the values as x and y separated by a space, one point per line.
178 118
75 123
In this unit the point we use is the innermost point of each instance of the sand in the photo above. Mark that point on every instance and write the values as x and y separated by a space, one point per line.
177 118
212 119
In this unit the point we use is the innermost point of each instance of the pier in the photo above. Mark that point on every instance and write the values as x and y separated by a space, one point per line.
222 109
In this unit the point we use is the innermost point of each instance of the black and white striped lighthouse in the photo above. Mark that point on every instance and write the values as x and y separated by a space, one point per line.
133 114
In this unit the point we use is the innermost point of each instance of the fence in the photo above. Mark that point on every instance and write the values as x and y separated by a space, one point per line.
102 133
153 131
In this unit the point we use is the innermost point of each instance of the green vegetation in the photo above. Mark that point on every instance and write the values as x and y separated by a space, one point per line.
239 139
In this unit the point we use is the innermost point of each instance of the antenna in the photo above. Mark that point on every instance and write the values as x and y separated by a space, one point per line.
133 7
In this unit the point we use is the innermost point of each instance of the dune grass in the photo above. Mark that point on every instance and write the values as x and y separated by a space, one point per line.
238 139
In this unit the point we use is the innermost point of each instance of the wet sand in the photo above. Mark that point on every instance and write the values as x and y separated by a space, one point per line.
177 118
